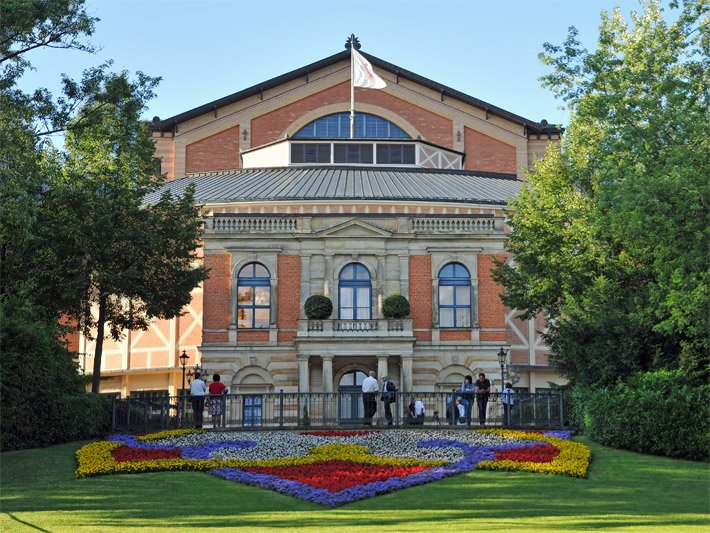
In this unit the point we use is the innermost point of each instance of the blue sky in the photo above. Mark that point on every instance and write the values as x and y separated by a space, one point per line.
206 50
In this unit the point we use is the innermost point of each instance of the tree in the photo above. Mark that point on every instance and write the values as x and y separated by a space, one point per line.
118 263
43 396
611 237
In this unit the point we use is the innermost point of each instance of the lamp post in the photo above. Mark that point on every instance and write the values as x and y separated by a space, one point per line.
183 361
502 355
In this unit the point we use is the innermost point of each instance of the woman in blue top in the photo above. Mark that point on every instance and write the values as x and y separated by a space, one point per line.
467 391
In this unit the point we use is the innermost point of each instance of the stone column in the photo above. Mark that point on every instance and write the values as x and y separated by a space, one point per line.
407 361
404 275
381 366
328 290
327 373
381 274
305 282
303 374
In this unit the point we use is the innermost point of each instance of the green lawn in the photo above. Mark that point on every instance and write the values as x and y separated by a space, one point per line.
624 491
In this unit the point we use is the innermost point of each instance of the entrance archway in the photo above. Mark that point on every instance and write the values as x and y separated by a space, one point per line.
350 408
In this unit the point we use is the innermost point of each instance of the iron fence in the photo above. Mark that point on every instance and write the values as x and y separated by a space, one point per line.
334 409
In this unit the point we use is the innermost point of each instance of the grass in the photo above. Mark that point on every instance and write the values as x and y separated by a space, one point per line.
624 491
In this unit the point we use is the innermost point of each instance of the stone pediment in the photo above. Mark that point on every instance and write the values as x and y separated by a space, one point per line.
354 229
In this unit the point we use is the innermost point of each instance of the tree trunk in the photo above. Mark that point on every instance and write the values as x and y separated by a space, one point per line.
96 380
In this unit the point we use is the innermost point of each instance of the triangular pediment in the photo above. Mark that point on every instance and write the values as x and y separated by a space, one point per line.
354 229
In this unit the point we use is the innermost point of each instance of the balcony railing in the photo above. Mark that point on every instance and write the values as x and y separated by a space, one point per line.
359 328
332 409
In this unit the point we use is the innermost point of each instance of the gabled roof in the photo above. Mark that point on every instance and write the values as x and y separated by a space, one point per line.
531 125
346 183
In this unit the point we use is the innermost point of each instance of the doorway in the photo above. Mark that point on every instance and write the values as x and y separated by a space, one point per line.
350 408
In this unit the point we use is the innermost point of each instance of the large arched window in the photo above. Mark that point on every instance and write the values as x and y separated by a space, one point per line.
337 126
355 293
253 296
454 296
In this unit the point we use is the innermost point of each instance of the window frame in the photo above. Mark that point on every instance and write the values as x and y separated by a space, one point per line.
356 285
253 282
337 126
455 281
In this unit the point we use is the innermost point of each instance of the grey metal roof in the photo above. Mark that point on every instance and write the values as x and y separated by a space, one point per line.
346 183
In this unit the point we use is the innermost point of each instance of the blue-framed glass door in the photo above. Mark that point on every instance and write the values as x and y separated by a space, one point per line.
252 410
350 407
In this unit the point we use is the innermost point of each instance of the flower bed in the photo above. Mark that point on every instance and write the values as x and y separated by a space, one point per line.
335 467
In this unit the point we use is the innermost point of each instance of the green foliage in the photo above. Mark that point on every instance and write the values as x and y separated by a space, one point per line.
318 307
611 237
137 261
395 306
654 412
43 397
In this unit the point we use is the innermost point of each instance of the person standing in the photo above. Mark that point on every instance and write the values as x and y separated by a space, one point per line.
419 412
467 391
388 397
483 389
216 408
369 396
507 398
198 389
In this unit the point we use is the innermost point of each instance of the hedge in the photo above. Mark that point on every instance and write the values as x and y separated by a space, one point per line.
653 412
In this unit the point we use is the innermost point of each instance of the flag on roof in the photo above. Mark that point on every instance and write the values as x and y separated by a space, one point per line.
363 75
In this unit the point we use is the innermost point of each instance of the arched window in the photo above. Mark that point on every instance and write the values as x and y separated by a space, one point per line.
454 296
355 293
253 296
337 126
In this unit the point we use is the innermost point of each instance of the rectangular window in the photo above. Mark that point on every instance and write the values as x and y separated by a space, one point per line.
446 295
310 153
244 318
463 295
395 154
353 153
446 317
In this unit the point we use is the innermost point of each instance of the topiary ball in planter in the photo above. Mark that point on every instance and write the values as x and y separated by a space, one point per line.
395 306
318 307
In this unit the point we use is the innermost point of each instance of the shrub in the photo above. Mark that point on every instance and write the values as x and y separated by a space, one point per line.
318 307
395 306
44 400
653 412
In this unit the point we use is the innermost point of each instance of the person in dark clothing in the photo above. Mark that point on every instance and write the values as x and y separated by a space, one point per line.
483 389
388 397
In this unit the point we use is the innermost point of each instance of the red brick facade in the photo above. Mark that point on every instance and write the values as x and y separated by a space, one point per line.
491 311
488 154
217 152
289 296
420 295
271 126
455 335
216 299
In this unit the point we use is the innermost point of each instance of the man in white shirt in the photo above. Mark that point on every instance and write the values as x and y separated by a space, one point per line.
419 409
369 397
198 389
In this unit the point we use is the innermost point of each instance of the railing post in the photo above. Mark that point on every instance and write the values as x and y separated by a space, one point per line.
562 409
452 406
113 415
549 409
145 415
128 414
281 408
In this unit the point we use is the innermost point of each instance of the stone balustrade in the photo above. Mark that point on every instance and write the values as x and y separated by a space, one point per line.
355 328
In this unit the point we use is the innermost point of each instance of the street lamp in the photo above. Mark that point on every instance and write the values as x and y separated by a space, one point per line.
183 361
502 355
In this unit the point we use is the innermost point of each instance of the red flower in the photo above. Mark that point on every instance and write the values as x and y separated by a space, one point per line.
126 454
539 453
335 476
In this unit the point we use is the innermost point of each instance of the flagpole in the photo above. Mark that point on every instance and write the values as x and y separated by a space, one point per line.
352 88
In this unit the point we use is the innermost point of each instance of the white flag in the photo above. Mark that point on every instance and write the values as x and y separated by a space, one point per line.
363 75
